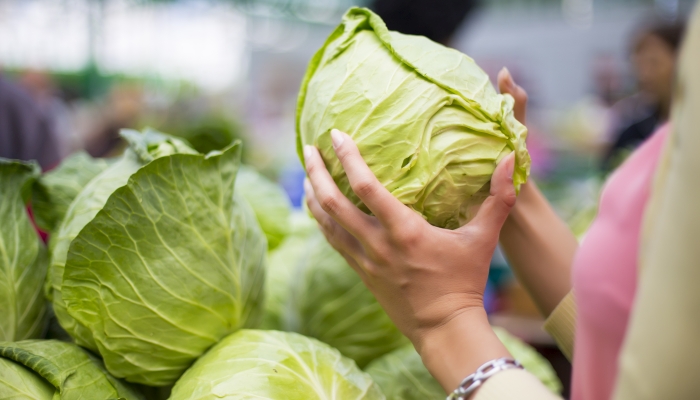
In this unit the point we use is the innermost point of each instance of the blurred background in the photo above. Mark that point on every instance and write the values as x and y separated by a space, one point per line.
74 72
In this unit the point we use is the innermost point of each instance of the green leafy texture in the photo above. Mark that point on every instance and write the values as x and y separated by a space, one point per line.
273 365
23 260
56 370
269 201
54 191
328 301
169 266
19 383
143 148
402 376
426 118
282 262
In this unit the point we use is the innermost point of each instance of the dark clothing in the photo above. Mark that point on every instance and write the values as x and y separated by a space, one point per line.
26 131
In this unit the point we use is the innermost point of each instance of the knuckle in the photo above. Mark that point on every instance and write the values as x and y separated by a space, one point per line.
330 204
364 188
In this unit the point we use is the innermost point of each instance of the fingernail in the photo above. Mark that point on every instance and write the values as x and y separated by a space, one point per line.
337 138
307 152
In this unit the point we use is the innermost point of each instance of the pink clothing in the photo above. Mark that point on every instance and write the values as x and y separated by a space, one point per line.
605 272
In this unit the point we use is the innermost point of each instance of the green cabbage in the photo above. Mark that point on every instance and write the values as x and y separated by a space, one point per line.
55 190
328 301
254 364
426 118
269 201
158 259
402 375
50 370
282 262
142 149
23 260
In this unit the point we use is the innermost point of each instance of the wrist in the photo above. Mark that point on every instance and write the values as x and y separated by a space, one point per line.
458 347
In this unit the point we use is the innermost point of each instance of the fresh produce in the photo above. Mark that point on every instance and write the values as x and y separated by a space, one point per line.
162 259
282 263
51 370
426 118
269 201
23 259
55 190
274 365
402 375
328 301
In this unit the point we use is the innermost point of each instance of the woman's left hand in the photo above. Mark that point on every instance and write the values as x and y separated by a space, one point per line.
429 280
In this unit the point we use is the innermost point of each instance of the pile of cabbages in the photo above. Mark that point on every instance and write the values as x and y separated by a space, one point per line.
174 274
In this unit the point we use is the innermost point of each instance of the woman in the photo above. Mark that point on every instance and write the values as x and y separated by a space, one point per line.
635 276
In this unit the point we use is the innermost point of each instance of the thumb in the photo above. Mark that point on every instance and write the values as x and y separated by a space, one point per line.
493 212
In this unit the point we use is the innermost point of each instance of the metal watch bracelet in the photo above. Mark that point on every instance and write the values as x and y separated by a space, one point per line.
475 380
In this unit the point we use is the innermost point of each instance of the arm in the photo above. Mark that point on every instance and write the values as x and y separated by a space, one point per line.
539 246
661 357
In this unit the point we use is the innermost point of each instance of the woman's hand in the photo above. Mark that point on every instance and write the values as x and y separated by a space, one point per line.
429 280
423 276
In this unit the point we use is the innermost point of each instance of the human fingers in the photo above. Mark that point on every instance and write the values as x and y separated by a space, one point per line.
390 212
331 200
506 84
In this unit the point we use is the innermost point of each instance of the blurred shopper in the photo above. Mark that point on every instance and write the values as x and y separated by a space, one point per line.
436 20
27 131
654 52
629 291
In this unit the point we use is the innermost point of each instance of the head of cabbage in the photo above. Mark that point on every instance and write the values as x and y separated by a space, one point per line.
157 259
49 369
426 118
328 301
23 259
274 365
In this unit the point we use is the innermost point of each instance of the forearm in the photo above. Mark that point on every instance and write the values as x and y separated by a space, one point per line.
540 248
456 349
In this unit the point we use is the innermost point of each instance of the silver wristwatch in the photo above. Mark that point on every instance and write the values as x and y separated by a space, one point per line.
475 380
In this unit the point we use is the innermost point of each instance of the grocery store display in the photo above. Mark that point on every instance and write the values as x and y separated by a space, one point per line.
425 118
23 259
169 268
274 365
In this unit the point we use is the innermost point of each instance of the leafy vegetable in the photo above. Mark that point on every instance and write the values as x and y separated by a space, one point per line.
274 365
269 201
55 190
49 369
328 301
143 148
170 264
22 256
426 118
402 375
282 263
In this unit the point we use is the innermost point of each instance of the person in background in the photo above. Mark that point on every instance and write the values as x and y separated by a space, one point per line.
436 20
27 130
654 52
623 304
